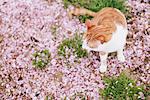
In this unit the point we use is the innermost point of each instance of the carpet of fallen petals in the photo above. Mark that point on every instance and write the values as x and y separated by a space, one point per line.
22 20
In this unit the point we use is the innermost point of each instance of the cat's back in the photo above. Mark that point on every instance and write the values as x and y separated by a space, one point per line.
111 14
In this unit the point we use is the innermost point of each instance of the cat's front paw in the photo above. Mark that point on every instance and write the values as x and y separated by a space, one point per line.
121 58
103 68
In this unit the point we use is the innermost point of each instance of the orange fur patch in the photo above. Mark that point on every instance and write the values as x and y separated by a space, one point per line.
103 24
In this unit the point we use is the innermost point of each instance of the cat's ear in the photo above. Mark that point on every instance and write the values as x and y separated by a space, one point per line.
88 23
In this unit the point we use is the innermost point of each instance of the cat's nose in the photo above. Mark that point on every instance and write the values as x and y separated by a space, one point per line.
91 45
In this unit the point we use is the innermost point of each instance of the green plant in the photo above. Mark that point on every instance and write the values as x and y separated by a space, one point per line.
79 96
122 88
83 18
54 29
74 44
1 38
50 97
65 98
41 58
96 5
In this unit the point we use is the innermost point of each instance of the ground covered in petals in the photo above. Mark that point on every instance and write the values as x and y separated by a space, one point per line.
30 25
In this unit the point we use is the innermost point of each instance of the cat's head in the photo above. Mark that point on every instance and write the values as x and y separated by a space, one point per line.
92 37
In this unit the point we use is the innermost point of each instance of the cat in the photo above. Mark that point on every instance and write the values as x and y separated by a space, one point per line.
106 33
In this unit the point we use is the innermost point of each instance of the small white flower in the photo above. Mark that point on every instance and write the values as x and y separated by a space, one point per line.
131 85
116 81
113 87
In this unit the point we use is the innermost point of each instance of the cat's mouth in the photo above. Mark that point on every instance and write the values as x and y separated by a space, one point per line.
93 44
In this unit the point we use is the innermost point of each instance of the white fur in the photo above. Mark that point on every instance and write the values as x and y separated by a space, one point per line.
116 43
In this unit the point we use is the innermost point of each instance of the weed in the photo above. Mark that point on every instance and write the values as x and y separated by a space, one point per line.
1 38
79 96
41 58
50 97
74 44
122 88
54 29
96 5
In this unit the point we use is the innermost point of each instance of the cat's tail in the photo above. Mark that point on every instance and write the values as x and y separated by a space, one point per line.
81 11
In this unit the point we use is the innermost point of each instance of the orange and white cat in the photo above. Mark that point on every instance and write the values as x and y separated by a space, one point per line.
106 33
